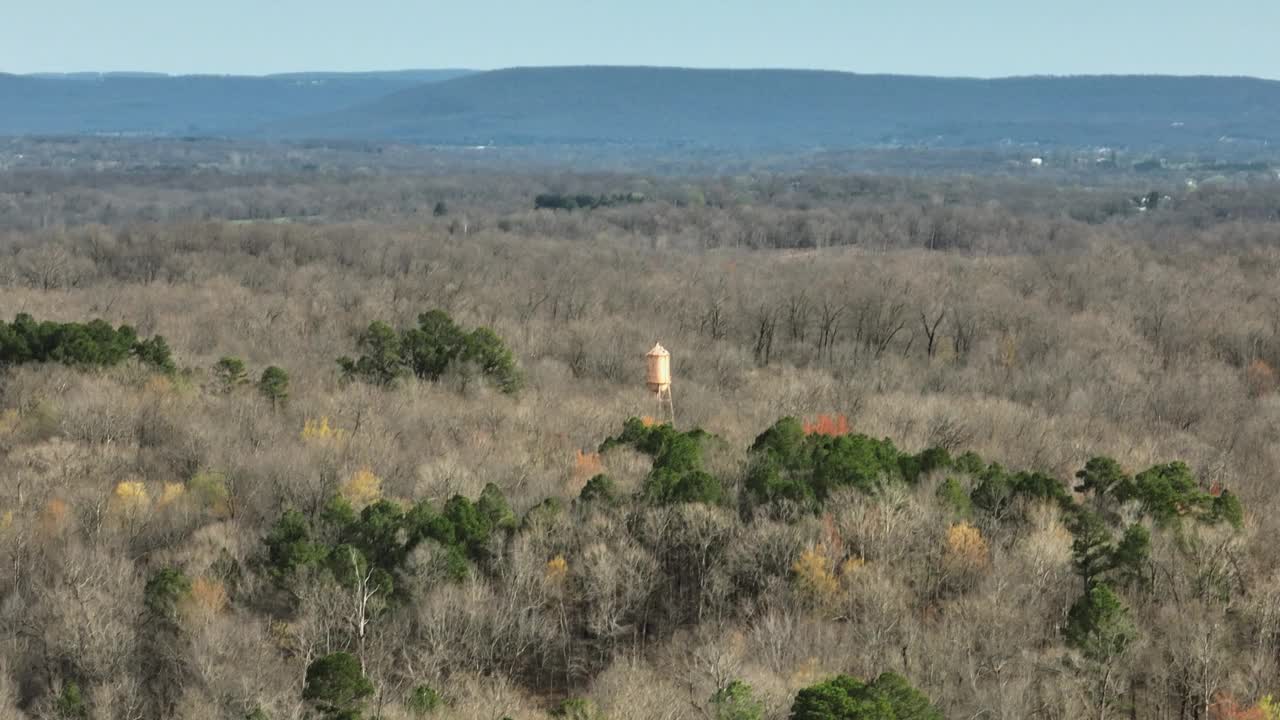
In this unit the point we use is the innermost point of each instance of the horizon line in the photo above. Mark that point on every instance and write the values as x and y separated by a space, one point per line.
144 74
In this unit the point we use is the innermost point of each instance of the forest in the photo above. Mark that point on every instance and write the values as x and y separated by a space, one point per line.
350 443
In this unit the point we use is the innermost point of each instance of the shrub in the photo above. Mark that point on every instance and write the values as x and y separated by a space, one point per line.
289 546
543 513
70 704
428 351
736 701
677 475
997 489
790 464
424 700
382 535
784 440
888 697
1226 508
1098 624
92 344
336 685
382 361
1168 492
274 385
493 505
485 350
209 490
164 589
576 709
952 495
1103 476
155 352
599 488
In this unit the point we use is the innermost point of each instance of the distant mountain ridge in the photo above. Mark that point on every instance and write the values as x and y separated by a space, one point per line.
153 104
790 109
646 107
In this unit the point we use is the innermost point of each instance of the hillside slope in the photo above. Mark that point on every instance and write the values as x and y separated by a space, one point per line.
755 109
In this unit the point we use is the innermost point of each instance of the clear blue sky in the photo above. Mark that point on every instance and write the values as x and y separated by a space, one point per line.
937 37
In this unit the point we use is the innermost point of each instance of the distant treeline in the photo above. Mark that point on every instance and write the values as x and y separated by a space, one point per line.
561 201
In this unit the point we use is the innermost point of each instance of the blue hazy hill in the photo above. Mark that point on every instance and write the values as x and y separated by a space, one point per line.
645 107
150 104
782 109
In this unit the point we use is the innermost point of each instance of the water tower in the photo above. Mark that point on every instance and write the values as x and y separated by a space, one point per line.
658 379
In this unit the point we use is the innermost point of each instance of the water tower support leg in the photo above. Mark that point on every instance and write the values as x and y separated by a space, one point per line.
666 408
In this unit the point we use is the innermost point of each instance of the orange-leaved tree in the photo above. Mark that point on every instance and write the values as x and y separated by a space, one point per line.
829 425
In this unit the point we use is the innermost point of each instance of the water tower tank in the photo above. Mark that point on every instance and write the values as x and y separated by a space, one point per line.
658 368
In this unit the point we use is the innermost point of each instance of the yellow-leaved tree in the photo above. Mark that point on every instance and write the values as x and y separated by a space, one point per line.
1270 707
321 432
208 598
129 498
362 489
814 575
966 547
557 568
171 493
